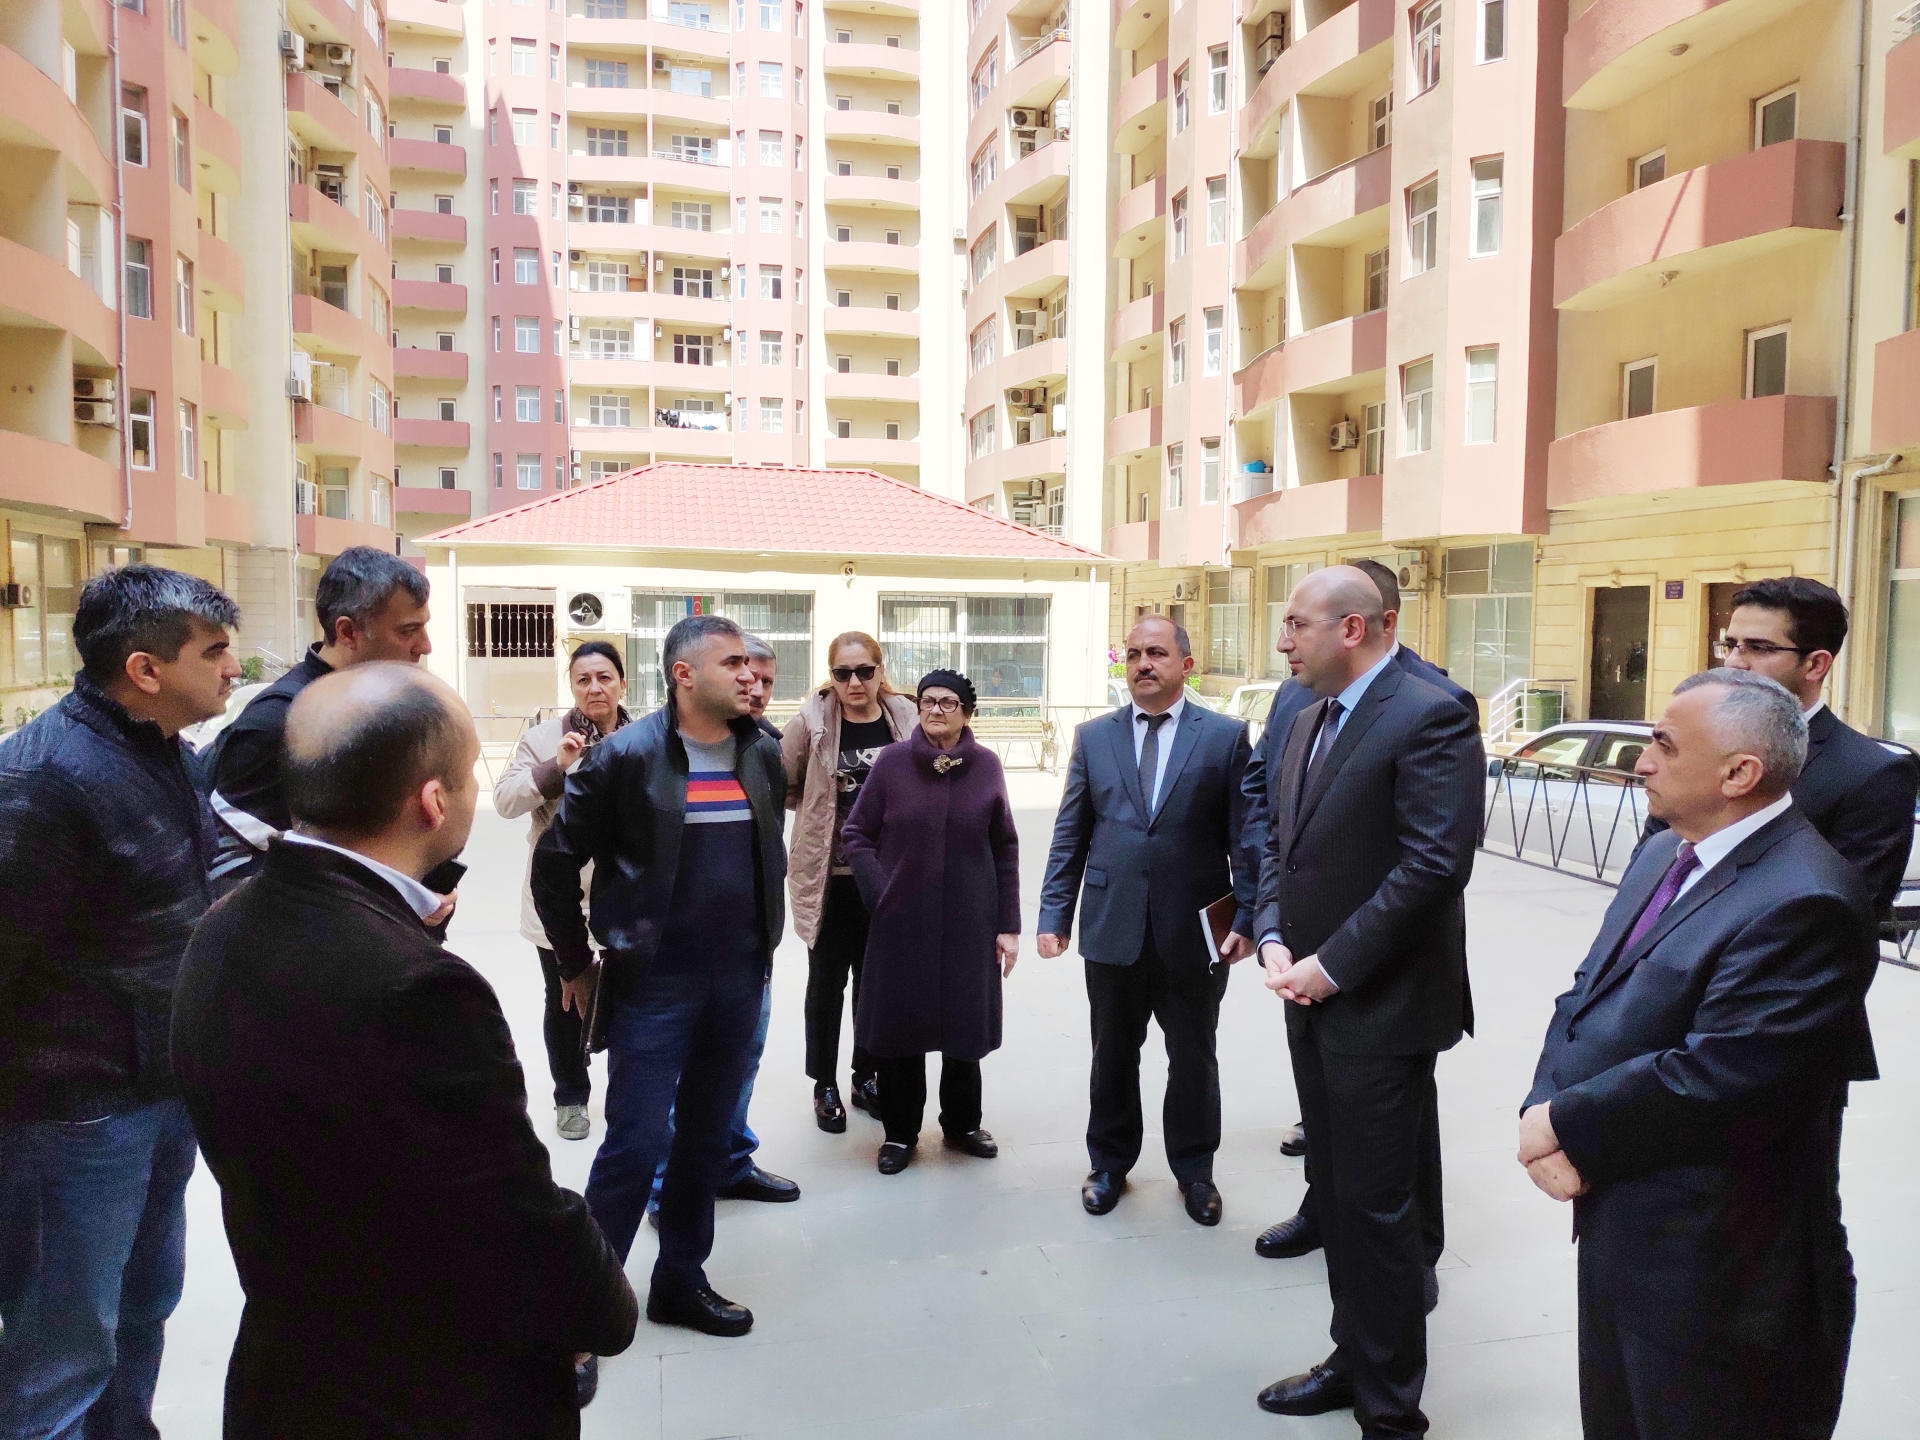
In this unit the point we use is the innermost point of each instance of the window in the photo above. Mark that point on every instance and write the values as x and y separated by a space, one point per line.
526 266
50 567
1426 47
1212 340
526 404
1174 494
601 141
693 349
524 122
1637 385
1416 396
616 10
1177 351
139 278
493 196
772 421
1180 224
522 58
982 434
183 294
843 429
771 79
187 438
1001 640
1217 210
983 343
1483 386
379 407
526 334
769 216
177 22
690 215
526 472
1774 117
498 479
1180 101
983 255
610 342
1217 80
784 621
608 209
1489 595
498 409
609 410
133 124
696 283
1210 471
1380 122
493 257
770 15
1229 616
526 197
606 74
1492 30
1767 362
769 347
1375 297
140 428
182 153
1423 235
772 147
1485 238
985 76
1373 439
496 334
1650 169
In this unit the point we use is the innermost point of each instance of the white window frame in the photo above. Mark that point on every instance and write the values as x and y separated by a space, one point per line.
1216 210
1173 494
1210 470
1217 87
1487 189
1177 351
140 408
1373 438
526 265
1424 28
1182 99
1213 339
525 465
1423 230
1375 268
1380 122
525 326
1490 26
1767 332
1416 409
1651 364
1639 164
1773 98
526 404
1482 395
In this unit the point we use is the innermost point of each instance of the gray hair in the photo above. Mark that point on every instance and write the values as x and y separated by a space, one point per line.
688 634
143 609
758 649
358 584
1759 717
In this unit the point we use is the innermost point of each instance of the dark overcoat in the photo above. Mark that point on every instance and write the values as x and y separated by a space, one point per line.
938 864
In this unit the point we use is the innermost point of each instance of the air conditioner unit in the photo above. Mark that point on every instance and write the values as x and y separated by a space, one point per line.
1344 435
1413 577
658 264
726 334
574 257
15 596
92 412
1027 119
573 327
575 187
587 610
1273 27
293 49
339 54
1020 397
960 234
659 333
300 378
1268 51
1182 590
660 63
85 387
576 202
726 272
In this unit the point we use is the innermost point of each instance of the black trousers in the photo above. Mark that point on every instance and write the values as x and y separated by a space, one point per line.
1427 1188
841 949
566 1050
903 1095
1122 999
1365 1115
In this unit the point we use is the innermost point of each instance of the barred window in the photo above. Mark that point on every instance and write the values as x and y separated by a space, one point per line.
509 632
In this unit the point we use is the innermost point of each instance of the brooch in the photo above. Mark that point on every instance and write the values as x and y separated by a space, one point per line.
943 763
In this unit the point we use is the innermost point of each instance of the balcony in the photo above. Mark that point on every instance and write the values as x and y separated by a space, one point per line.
1140 218
873 256
1620 49
228 519
328 330
432 500
216 149
682 442
432 434
871 62
638 305
1311 512
873 320
1040 74
214 31
320 117
55 477
1896 391
902 389
438 18
1330 357
1900 123
1137 327
873 192
331 432
330 21
1039 176
1140 109
223 397
1138 540
1042 363
429 227
660 240
426 157
221 274
1734 442
873 452
325 537
40 293
37 107
322 224
426 87
1322 58
1329 210
1725 214
434 295
410 362
637 33
1133 434
1135 20
874 127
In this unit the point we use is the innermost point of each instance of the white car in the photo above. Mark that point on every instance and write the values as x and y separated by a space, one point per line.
1118 695
207 731
1569 797
1251 704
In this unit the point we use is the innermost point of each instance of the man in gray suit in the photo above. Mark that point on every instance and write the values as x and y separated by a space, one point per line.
1151 825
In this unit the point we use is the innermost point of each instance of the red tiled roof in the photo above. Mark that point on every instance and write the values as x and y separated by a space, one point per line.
674 506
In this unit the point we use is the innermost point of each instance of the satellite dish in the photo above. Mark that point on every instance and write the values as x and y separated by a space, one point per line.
584 610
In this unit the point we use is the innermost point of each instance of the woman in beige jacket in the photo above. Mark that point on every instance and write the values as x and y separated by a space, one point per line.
532 786
829 748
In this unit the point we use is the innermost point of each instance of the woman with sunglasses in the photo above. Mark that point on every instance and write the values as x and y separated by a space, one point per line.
933 848
829 748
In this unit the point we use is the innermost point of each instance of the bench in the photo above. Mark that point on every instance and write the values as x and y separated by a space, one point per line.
1903 927
1035 731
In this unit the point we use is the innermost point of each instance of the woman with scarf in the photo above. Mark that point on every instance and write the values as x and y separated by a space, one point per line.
532 786
933 850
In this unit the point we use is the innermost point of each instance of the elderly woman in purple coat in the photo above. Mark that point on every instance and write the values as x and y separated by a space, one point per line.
932 848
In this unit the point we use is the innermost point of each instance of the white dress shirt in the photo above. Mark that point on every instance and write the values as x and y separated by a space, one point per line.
422 901
1722 843
1350 697
1166 744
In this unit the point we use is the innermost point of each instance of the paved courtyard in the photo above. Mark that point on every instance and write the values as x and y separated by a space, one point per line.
976 1299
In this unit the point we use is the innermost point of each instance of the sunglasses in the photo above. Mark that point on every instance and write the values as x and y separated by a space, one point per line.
844 673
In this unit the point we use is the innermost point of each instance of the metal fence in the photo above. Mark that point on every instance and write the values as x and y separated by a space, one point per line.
1580 819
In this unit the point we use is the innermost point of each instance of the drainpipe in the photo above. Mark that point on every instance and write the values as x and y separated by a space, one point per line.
1851 490
119 260
1849 303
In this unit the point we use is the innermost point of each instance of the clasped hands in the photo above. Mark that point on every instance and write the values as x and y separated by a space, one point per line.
1547 1164
1301 981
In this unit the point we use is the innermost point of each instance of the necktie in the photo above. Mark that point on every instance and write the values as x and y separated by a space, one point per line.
1685 862
1150 757
1329 732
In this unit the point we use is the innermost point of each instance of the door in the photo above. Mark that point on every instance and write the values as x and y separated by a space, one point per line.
1719 616
1617 669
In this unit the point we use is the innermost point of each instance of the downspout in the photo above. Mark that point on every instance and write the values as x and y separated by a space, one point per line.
1840 561
119 259
1851 491
296 645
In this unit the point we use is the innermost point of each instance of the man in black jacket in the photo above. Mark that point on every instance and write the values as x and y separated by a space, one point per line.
1688 1081
1375 810
372 605
104 846
681 814
410 1267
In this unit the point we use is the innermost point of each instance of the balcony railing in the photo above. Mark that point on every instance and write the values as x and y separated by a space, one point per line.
690 419
691 157
1035 46
1906 24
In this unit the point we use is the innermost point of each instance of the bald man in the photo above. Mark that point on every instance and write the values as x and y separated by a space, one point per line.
1375 811
409 1265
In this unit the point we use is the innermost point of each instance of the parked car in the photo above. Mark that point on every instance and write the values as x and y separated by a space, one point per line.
1251 704
1568 796
1118 695
207 731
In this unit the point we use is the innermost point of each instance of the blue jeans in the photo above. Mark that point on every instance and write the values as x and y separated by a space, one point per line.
743 1141
677 1041
93 1239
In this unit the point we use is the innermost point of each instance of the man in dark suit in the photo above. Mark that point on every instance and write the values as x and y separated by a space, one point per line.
1689 1076
1375 809
1299 1233
1150 824
409 1265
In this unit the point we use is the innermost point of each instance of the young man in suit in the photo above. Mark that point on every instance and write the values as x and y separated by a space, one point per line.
1299 1233
1375 809
410 1267
1150 825
1688 1081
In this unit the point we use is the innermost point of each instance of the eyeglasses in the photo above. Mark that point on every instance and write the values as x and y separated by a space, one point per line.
945 704
1754 649
1291 627
844 673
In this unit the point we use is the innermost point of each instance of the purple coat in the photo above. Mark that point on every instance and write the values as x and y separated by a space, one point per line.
937 862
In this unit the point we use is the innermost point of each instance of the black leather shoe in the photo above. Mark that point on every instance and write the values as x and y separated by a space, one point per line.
1294 1236
700 1310
978 1143
1314 1393
1101 1191
1203 1202
828 1113
1432 1289
894 1157
758 1184
865 1095
1294 1141
586 1381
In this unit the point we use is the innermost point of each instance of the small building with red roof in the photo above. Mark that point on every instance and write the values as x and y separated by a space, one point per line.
796 556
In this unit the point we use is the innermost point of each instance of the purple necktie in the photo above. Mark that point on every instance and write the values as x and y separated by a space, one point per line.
1685 862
